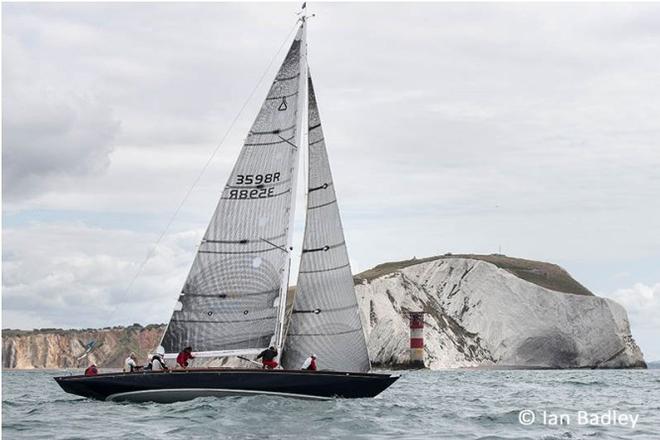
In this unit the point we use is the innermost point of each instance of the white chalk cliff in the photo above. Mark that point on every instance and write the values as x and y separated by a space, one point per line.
481 312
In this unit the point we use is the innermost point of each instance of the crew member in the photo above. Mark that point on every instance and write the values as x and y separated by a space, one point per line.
130 364
157 363
310 363
184 356
268 358
91 370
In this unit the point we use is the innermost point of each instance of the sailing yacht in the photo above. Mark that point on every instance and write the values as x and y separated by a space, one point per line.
235 301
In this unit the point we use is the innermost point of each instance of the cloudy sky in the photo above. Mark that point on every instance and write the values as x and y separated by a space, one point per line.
451 128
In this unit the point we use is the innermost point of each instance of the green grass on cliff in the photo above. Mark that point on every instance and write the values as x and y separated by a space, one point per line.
543 274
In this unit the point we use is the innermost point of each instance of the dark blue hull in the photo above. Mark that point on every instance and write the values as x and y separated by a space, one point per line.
178 385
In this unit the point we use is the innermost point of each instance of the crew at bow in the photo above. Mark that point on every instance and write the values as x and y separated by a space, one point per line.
310 363
91 370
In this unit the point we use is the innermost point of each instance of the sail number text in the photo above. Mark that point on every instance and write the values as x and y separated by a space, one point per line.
254 179
257 179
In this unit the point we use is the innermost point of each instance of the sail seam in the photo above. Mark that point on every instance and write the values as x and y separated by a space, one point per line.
317 311
239 252
321 206
229 295
316 142
201 321
325 270
274 131
281 97
281 141
287 78
246 241
326 334
312 127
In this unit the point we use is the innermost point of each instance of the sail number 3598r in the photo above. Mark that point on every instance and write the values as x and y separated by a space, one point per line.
254 179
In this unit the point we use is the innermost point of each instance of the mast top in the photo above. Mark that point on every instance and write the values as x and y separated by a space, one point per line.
303 13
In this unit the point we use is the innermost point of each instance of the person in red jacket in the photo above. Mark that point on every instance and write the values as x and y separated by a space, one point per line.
91 370
184 356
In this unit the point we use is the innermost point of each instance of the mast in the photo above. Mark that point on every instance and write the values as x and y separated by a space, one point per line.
301 123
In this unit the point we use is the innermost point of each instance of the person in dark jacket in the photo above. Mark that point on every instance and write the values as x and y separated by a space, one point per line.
91 370
183 357
268 358
156 363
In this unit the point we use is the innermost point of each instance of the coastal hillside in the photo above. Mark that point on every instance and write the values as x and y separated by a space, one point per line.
481 311
57 348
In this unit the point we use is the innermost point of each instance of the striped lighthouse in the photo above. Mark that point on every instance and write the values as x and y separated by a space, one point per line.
417 339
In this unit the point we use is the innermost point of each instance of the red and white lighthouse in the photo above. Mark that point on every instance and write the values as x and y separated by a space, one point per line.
417 339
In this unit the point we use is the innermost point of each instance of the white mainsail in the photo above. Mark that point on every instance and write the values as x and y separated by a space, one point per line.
230 302
325 319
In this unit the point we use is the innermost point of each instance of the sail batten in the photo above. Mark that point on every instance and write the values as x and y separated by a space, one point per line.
232 293
324 317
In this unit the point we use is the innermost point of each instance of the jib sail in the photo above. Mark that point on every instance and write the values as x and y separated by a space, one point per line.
325 319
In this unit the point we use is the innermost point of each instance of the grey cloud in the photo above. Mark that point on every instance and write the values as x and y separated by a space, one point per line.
76 275
50 134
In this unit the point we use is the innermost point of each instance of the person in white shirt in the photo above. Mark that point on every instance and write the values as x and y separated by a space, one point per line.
310 363
130 364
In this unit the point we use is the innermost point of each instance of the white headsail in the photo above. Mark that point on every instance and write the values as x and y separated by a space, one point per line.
325 319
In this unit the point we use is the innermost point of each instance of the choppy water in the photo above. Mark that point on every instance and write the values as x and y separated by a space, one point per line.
464 404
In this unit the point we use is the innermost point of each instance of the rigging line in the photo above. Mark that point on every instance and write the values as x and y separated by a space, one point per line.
288 142
274 245
208 162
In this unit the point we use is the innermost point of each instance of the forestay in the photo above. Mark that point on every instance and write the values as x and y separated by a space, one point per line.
230 299
325 318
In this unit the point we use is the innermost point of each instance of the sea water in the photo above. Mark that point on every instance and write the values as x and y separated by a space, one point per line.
452 404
